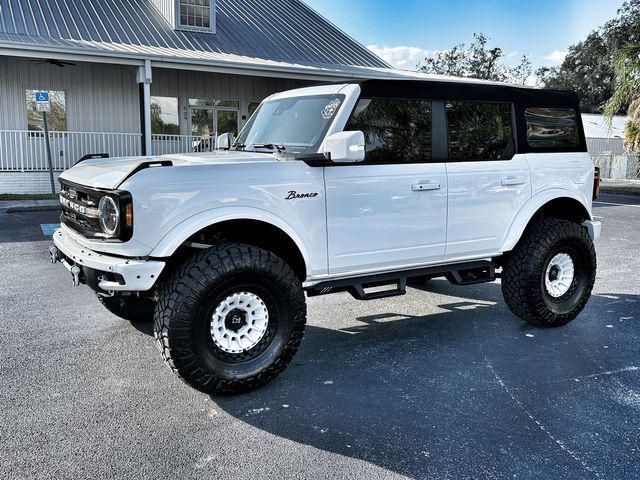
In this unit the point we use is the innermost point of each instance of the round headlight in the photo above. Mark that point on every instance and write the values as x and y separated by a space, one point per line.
109 215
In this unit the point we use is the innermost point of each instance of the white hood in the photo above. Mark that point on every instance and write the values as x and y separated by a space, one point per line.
109 173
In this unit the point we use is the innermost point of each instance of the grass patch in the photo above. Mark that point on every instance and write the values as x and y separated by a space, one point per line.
13 196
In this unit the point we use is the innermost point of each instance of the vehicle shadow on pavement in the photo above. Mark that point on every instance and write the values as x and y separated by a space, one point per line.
426 395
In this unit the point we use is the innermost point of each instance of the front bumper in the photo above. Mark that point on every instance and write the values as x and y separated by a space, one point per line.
104 272
594 228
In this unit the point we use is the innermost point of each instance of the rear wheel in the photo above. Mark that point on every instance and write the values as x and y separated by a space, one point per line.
548 278
230 319
131 307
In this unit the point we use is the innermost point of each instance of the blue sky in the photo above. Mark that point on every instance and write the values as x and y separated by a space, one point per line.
403 31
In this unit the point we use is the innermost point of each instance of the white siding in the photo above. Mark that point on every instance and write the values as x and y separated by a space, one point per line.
99 97
167 9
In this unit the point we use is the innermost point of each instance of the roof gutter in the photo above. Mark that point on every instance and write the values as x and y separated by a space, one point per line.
300 72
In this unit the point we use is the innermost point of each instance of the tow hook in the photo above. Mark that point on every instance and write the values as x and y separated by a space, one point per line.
53 253
75 273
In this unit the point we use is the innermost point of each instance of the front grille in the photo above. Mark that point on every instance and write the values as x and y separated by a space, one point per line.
79 209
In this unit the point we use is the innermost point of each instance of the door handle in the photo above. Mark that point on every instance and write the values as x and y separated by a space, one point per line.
425 186
512 181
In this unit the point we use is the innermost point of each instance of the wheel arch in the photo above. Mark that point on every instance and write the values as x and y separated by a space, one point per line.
259 228
551 203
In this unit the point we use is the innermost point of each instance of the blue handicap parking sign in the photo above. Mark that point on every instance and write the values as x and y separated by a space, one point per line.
42 96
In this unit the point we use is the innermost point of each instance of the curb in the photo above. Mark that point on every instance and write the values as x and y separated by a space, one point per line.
35 208
620 191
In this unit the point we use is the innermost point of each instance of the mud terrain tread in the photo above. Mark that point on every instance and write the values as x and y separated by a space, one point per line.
521 275
179 296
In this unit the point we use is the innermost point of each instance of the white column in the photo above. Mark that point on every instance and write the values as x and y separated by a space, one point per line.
145 78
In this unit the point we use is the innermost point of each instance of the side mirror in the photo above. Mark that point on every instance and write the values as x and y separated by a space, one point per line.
345 147
224 141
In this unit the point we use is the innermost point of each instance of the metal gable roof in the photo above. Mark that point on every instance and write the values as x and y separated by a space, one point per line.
265 30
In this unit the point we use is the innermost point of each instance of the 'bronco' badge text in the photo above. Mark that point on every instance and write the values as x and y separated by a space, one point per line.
293 194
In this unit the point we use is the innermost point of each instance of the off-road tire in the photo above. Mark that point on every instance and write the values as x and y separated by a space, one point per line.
131 307
525 270
182 323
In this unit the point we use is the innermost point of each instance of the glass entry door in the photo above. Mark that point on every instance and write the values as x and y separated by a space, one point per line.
210 122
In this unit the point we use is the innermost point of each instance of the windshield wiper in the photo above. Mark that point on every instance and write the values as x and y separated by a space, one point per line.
238 146
269 146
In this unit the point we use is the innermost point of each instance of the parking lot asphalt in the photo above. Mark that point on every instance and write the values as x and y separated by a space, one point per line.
442 383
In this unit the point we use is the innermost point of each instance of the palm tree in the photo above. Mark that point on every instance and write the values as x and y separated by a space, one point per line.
627 92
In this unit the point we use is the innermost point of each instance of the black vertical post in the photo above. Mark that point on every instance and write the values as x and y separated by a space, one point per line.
142 117
48 147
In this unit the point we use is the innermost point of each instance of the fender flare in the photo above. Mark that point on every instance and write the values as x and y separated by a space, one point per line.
181 232
533 205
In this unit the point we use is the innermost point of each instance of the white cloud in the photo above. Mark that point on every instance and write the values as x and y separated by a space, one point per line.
556 56
402 56
513 54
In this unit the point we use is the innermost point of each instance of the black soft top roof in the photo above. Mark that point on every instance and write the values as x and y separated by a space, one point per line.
461 90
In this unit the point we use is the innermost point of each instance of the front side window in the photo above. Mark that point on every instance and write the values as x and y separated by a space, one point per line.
299 123
195 13
57 117
552 127
479 131
395 130
164 116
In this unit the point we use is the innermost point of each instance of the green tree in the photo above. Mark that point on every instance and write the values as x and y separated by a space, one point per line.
627 93
588 68
477 61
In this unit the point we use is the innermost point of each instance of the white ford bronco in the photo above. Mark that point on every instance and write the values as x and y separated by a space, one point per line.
358 187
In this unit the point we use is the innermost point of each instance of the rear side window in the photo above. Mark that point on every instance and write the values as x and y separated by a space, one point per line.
552 127
395 131
479 131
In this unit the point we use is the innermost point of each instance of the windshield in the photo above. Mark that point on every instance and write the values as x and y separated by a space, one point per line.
296 125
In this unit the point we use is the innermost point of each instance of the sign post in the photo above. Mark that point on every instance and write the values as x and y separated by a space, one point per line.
43 104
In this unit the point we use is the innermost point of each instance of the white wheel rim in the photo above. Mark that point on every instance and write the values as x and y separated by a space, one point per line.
239 322
559 275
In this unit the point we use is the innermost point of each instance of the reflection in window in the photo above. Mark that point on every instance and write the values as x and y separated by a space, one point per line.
395 131
164 116
57 117
195 13
210 102
479 131
552 127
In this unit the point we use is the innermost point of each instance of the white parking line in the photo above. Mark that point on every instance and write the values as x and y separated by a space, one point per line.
597 217
617 204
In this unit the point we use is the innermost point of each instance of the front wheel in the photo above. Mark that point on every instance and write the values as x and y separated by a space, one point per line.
230 319
548 278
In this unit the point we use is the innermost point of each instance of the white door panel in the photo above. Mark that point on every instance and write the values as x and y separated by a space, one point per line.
385 215
484 198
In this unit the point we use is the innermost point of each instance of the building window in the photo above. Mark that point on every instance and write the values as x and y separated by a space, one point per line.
479 131
57 117
552 127
208 102
395 131
164 116
196 14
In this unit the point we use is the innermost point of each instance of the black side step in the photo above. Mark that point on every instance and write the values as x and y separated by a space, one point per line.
460 274
471 276
357 290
